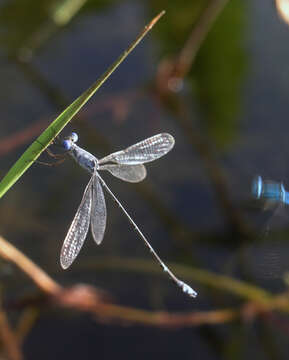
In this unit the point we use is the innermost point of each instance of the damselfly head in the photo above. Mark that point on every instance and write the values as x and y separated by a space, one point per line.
71 139
66 144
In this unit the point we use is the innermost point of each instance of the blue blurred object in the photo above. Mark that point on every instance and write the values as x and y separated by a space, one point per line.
270 192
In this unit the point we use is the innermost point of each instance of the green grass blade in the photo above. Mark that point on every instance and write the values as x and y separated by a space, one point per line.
43 141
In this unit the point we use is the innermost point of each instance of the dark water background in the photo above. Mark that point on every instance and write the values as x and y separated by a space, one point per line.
235 101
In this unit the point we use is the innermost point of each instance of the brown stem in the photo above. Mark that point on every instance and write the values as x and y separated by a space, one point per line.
89 299
35 273
187 55
165 319
9 340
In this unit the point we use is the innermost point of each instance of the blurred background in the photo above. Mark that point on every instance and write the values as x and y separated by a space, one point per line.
215 75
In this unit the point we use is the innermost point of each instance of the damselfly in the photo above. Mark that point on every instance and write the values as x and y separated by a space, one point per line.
271 193
271 196
126 165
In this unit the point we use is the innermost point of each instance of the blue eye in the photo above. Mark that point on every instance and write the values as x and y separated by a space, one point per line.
74 137
66 144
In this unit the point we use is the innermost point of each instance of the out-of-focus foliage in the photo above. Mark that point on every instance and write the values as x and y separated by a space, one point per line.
216 76
219 73
180 19
27 24
20 20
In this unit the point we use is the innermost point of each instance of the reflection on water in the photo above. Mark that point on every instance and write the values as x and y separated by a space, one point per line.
229 120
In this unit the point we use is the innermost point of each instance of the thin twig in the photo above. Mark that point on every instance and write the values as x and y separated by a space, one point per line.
86 298
26 322
89 299
21 137
170 76
172 71
9 340
246 291
165 319
35 273
187 55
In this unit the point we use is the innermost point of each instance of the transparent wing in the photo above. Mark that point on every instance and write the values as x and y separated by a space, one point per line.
78 229
142 152
130 173
98 211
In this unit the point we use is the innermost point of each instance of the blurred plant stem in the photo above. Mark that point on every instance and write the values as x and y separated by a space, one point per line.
205 150
60 14
26 322
10 253
38 80
8 338
86 298
172 71
214 281
169 83
186 57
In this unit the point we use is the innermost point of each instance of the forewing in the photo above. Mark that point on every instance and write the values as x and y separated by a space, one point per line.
98 211
145 151
78 229
130 173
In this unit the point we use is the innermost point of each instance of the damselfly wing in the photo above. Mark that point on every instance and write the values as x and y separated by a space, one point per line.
126 165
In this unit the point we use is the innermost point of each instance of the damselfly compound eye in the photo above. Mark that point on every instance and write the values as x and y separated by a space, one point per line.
66 144
74 137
